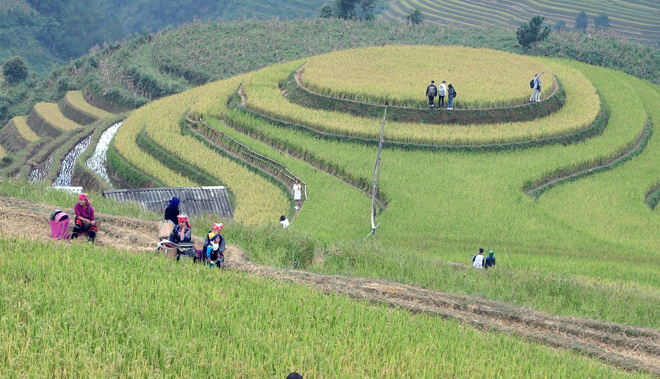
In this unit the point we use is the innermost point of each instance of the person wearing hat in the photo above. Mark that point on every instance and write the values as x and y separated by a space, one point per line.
172 210
214 246
84 222
490 261
181 232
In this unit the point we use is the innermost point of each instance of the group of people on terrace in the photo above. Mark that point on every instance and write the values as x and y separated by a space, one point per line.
213 250
441 91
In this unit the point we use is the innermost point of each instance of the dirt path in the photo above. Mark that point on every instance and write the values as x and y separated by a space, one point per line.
621 345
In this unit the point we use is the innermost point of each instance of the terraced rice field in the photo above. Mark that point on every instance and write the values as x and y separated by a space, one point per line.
635 19
51 114
21 125
76 100
585 247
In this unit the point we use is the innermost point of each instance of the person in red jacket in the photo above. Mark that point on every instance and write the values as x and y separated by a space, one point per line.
84 222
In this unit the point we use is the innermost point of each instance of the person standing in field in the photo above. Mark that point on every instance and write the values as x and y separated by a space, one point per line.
451 94
84 222
478 260
431 92
442 91
536 93
297 193
490 261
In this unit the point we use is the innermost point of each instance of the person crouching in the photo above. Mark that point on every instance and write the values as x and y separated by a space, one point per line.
84 222
214 246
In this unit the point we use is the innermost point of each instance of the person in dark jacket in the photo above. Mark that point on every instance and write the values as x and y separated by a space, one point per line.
181 232
172 211
214 246
431 92
490 260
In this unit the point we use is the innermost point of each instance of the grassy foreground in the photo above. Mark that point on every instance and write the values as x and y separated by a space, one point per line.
75 309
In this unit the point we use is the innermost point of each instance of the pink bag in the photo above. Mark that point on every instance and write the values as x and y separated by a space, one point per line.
59 225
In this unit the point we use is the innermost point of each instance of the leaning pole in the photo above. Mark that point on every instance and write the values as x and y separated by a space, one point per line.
376 176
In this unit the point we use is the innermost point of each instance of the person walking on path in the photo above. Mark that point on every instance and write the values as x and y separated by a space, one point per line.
297 193
451 94
478 260
431 92
84 222
536 93
490 261
442 91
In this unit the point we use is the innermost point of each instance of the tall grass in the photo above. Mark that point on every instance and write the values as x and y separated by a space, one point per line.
95 312
44 193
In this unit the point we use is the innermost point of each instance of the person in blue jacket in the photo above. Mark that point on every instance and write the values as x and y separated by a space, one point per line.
172 210
214 246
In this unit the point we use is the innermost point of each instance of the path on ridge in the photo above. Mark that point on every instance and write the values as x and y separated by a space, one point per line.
623 346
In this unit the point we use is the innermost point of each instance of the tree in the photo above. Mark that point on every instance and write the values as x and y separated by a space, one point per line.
415 17
560 26
14 70
366 9
346 9
602 21
581 22
532 32
325 11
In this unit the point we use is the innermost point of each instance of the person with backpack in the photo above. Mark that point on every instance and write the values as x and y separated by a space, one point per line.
451 94
431 92
535 84
442 91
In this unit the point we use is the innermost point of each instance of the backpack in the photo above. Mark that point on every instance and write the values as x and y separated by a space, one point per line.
432 90
455 93
531 84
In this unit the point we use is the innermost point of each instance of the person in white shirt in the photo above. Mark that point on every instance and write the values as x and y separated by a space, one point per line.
442 91
284 221
297 193
536 94
478 260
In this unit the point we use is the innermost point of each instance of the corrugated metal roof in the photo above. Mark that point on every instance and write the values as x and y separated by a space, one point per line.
194 201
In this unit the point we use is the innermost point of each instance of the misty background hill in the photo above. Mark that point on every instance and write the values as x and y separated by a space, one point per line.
50 32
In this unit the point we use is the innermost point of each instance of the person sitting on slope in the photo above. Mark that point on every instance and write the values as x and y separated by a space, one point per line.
84 221
214 246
